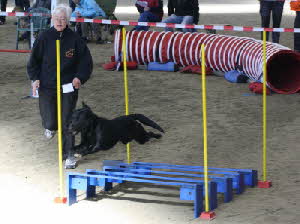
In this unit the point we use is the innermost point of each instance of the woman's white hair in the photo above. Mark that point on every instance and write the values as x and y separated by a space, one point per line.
63 8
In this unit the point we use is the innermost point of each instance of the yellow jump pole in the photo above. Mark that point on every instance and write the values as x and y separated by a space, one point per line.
206 214
264 183
60 199
125 85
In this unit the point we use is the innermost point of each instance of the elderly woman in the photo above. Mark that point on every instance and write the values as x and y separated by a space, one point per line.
76 68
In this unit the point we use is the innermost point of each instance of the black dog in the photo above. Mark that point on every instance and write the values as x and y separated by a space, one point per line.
98 133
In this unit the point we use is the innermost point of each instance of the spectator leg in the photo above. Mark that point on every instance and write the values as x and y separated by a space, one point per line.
277 15
84 30
17 40
77 29
265 12
172 19
3 8
72 5
147 17
297 35
97 28
20 4
26 4
187 20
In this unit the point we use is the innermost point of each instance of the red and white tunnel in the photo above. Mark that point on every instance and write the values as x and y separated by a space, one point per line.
223 53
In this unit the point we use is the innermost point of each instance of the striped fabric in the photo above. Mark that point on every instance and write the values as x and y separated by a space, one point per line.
223 53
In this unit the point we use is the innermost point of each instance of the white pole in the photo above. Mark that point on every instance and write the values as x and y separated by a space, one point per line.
53 5
32 39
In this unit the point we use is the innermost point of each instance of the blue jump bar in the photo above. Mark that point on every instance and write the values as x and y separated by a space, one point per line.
188 178
250 176
211 185
88 182
224 184
239 177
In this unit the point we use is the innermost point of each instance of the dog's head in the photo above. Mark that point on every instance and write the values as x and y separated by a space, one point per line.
81 119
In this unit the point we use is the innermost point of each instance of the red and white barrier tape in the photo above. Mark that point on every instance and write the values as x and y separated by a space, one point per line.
22 14
15 51
170 25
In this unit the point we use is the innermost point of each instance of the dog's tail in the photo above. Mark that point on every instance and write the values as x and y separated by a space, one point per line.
146 121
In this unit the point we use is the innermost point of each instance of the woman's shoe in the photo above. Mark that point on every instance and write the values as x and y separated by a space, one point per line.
49 134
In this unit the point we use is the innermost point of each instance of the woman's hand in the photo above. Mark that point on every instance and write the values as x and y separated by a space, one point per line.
76 83
35 86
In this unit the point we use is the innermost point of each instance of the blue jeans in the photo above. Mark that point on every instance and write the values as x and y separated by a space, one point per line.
147 17
276 8
179 20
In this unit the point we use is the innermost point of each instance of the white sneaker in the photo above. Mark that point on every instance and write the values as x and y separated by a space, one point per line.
49 134
71 163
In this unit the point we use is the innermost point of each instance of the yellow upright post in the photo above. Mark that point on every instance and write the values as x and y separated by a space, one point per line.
125 85
207 214
59 125
204 127
264 183
264 108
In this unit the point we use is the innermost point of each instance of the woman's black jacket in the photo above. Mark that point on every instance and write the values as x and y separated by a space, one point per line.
76 60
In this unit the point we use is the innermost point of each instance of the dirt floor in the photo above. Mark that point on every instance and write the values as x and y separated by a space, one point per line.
29 168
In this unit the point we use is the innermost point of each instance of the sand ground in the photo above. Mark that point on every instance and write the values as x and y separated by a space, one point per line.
29 167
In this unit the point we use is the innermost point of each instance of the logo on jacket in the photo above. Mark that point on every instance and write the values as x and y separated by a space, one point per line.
70 53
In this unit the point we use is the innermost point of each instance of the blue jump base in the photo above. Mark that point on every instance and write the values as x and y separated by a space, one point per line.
189 179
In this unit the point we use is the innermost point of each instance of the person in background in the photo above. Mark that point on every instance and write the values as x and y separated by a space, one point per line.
276 8
150 11
3 9
74 25
22 4
76 68
38 4
91 10
42 3
182 12
72 5
295 6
